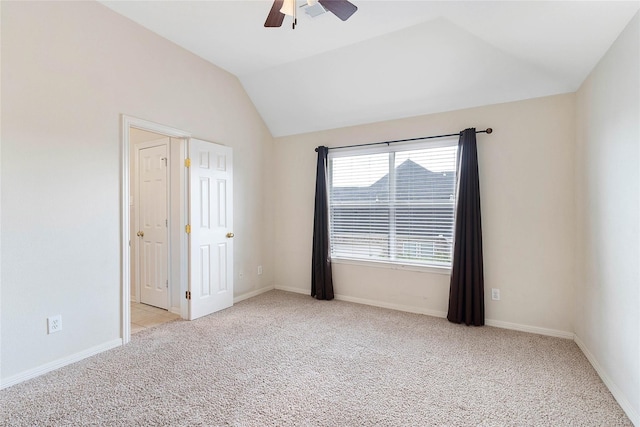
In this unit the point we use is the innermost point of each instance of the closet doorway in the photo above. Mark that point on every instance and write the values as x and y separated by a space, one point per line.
177 224
150 208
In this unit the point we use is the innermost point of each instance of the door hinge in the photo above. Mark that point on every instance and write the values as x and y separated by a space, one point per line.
187 162
187 229
166 222
188 296
167 283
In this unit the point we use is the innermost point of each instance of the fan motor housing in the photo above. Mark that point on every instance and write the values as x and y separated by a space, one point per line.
315 10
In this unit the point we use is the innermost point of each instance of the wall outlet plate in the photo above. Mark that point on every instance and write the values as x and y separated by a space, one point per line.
54 324
495 294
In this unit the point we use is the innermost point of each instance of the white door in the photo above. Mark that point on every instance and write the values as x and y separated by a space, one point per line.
211 222
153 224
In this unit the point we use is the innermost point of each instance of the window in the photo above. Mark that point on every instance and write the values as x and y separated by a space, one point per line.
393 203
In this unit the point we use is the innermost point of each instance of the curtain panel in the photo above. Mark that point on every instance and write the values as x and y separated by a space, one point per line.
321 277
466 292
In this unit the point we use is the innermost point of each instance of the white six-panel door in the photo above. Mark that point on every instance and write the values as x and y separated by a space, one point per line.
211 233
152 232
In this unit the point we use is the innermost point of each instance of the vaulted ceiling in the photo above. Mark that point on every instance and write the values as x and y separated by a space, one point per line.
391 59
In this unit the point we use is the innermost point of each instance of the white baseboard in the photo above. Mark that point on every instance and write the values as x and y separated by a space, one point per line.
531 329
294 290
442 314
252 294
622 400
56 364
371 302
399 307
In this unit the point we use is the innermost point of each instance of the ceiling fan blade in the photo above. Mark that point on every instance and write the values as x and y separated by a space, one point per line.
275 17
343 9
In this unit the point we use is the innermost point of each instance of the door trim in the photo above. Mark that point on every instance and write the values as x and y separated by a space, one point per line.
128 122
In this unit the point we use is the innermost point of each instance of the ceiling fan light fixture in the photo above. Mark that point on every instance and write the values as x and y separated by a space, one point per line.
343 9
288 7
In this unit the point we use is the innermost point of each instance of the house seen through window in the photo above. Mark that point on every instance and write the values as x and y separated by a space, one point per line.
393 204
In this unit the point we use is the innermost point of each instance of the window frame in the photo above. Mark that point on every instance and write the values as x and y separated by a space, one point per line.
397 263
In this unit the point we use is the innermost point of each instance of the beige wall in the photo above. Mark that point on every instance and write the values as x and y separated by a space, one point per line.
69 70
527 186
608 204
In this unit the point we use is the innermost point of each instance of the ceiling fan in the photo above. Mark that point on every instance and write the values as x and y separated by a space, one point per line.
343 9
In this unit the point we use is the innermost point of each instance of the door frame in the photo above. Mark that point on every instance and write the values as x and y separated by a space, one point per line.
128 122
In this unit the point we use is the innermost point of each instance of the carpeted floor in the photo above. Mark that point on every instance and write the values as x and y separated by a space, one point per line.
283 359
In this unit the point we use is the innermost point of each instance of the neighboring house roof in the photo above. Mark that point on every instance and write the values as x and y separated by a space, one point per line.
413 182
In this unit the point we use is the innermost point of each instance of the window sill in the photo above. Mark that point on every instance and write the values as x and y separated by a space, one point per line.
394 266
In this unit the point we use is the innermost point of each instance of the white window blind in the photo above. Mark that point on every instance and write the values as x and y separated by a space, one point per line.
396 205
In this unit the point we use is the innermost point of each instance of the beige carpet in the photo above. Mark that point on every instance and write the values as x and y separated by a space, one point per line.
282 359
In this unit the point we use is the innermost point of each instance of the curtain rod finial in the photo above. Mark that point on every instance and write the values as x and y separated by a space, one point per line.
489 130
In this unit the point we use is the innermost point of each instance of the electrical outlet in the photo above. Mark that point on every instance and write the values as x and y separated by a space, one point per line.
495 294
259 270
241 274
54 324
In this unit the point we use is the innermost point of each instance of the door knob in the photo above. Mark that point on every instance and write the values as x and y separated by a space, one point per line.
140 233
229 235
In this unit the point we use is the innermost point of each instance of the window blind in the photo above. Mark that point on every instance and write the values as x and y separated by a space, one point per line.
396 205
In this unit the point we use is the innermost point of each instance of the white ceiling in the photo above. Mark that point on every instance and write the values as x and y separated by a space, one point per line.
391 59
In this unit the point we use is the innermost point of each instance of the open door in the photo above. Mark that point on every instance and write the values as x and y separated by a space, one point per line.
210 287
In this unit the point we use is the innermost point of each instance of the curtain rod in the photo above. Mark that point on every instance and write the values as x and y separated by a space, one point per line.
487 131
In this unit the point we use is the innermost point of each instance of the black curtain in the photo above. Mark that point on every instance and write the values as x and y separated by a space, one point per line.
321 279
466 293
